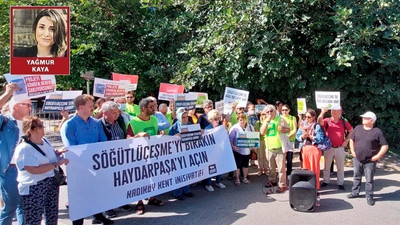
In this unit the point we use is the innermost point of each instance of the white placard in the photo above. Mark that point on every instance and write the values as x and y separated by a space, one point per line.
32 86
109 88
60 100
328 99
220 106
201 97
185 100
106 175
248 140
235 95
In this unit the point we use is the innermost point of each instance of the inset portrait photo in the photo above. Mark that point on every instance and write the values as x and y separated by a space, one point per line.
40 40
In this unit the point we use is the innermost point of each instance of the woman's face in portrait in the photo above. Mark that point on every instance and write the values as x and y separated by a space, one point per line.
45 32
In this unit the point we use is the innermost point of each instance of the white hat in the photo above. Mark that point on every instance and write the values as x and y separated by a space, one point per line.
369 114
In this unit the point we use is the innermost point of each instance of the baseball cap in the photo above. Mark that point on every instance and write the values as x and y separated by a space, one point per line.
369 114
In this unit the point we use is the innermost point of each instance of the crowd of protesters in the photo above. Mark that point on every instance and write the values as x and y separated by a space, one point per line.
28 160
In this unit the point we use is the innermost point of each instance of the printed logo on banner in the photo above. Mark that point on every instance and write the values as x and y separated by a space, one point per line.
100 88
212 169
21 86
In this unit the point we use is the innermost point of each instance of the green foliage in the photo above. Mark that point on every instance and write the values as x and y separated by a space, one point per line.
278 50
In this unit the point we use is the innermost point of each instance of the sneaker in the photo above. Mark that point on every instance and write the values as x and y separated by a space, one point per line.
220 185
280 190
209 188
126 208
370 201
110 213
180 197
341 187
324 184
190 194
352 195
101 220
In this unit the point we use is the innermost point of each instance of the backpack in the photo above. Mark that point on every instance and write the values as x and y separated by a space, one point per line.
326 143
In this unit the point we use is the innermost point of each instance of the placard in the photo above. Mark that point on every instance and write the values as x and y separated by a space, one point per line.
60 100
301 105
32 86
248 140
129 170
219 106
260 108
185 100
328 99
108 88
132 79
235 95
201 97
190 132
25 58
168 91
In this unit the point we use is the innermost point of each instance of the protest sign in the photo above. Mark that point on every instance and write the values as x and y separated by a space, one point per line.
32 86
201 97
25 58
106 175
190 132
219 106
168 91
235 95
259 108
185 100
301 105
328 99
248 140
60 100
108 88
132 79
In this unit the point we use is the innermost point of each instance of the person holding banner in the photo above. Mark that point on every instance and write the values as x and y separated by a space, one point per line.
83 129
215 120
291 120
145 125
131 108
272 129
242 155
308 134
10 133
50 33
182 119
36 162
336 128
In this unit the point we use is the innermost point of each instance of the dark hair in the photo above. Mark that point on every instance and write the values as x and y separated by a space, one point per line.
287 106
277 103
60 31
312 112
130 93
241 116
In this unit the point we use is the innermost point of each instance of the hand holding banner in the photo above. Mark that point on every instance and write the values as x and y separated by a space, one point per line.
32 86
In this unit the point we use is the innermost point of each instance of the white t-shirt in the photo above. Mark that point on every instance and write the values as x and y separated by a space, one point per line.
29 156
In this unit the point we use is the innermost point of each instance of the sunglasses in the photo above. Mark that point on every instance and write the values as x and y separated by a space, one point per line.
215 119
270 111
130 97
308 117
284 110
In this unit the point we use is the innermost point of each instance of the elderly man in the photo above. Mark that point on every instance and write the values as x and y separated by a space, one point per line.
113 126
336 128
367 145
10 133
83 129
272 127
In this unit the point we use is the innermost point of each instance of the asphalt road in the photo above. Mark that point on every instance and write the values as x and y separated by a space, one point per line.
247 204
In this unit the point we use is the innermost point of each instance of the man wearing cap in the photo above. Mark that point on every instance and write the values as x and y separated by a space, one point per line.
367 145
10 133
335 128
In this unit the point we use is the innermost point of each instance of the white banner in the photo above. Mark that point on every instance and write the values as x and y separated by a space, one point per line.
60 100
107 175
329 99
185 100
248 140
34 86
236 95
109 88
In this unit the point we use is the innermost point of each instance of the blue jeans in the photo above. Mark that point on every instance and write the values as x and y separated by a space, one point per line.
368 169
182 190
218 178
11 198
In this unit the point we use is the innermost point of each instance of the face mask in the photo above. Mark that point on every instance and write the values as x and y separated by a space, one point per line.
122 107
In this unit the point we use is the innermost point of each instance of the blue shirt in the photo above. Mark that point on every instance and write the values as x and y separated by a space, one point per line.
8 141
163 123
77 132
